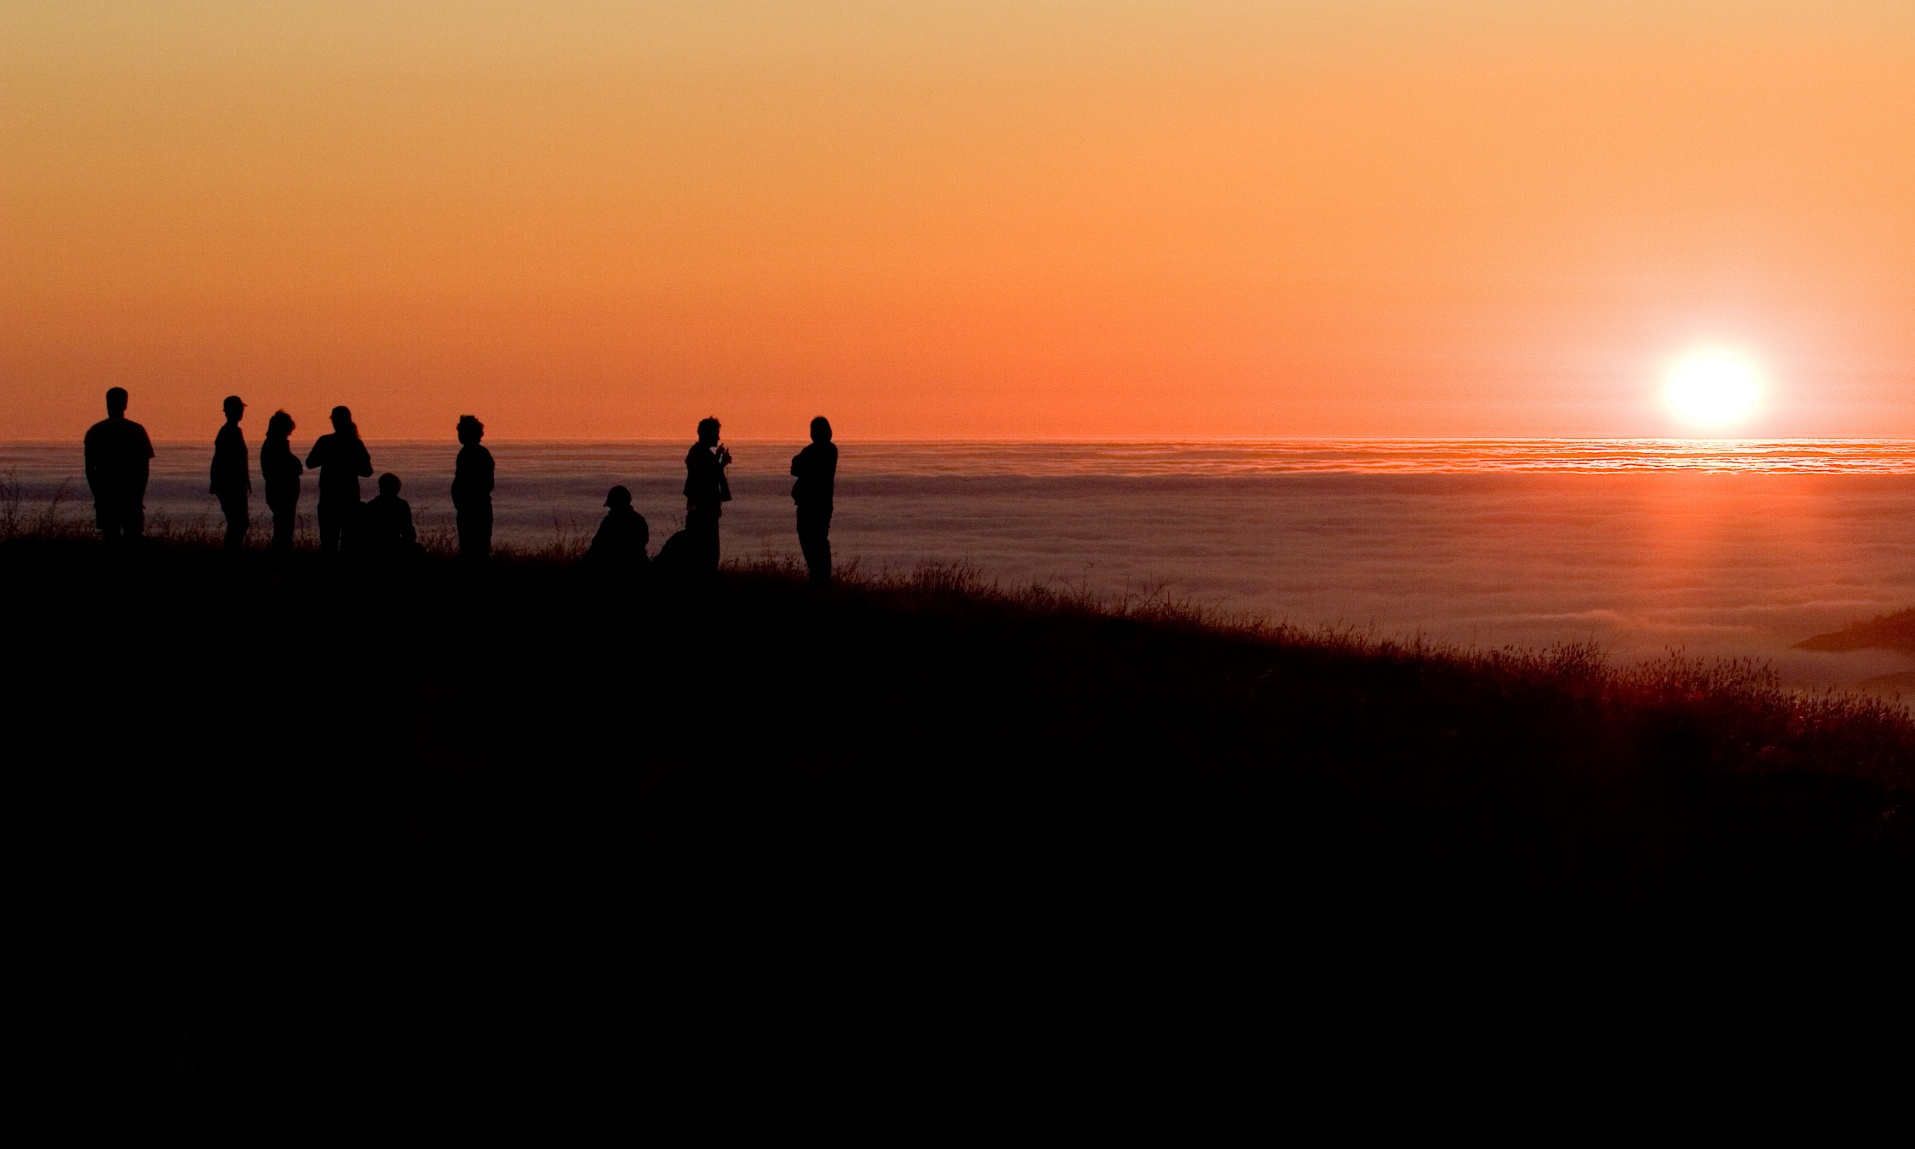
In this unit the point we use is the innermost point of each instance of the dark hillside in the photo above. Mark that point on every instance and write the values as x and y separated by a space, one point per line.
309 830
1886 631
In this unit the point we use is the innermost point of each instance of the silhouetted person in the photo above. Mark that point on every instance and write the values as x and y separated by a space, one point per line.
117 457
690 556
706 488
341 460
472 491
816 468
618 549
384 531
281 470
232 478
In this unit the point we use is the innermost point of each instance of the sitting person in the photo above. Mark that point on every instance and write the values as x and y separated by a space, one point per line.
619 545
691 555
383 532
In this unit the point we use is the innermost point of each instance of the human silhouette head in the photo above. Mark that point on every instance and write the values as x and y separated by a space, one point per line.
618 497
280 425
341 419
708 432
234 407
389 484
470 430
821 430
115 402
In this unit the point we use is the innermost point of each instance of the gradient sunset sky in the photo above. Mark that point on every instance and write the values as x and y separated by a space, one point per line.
1024 219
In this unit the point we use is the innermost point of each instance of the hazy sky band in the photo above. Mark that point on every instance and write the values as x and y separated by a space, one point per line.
955 220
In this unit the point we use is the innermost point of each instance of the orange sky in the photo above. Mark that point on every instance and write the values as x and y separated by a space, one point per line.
1018 218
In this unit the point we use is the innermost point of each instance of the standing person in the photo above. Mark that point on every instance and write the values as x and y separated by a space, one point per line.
816 468
232 476
472 492
280 468
117 455
706 488
341 460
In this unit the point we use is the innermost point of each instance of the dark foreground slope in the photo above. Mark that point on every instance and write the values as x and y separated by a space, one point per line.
297 830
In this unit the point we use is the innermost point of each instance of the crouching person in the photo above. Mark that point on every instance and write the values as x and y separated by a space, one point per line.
690 557
383 532
618 549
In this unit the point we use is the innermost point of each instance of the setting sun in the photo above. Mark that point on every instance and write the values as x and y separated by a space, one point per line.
1713 389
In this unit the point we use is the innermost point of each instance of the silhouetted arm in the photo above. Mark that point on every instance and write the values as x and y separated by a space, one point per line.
317 456
365 460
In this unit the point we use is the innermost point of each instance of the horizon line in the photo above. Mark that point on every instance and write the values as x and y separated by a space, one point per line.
1093 440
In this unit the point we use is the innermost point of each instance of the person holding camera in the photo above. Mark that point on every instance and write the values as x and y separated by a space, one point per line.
706 488
342 460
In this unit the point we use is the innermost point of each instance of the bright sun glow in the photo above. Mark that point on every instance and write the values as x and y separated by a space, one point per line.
1713 389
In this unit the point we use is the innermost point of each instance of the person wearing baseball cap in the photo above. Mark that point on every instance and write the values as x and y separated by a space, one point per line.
232 474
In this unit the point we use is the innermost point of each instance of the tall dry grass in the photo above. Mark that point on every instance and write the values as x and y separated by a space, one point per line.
1748 717
55 515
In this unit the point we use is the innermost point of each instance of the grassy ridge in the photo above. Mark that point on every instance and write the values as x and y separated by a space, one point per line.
493 823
